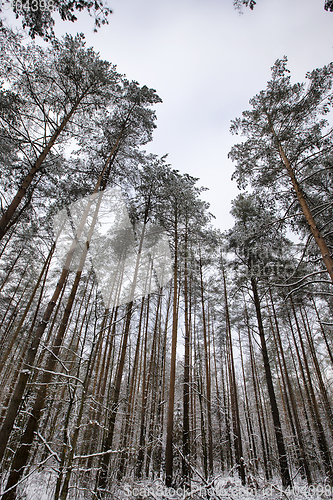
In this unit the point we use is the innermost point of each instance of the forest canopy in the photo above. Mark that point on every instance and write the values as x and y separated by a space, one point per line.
38 15
238 4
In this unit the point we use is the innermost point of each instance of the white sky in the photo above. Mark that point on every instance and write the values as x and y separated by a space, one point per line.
206 61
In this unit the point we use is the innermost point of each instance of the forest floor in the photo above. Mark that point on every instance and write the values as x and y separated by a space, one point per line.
225 487
221 488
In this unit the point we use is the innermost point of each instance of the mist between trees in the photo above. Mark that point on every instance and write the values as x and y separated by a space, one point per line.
94 400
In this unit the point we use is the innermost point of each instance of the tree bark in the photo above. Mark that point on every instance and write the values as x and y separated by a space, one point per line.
186 386
301 448
125 434
144 396
285 475
322 387
263 438
329 350
26 310
208 377
252 443
233 393
107 443
322 441
7 216
324 250
169 439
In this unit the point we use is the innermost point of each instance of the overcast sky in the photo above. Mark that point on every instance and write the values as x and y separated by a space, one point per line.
206 61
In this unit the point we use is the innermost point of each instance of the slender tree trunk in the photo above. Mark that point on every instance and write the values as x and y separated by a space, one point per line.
252 443
12 410
202 414
286 480
323 445
290 427
305 400
194 446
125 435
150 387
300 447
208 376
11 269
186 387
107 443
67 442
22 454
5 244
140 458
74 438
26 310
153 376
92 439
233 392
23 378
226 406
169 438
13 313
218 401
322 387
301 399
161 395
329 350
263 439
9 304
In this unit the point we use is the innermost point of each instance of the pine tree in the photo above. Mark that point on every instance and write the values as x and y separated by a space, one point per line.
288 143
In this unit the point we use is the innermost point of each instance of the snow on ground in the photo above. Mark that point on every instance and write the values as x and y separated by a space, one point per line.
40 486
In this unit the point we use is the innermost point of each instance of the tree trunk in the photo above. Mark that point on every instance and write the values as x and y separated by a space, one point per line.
324 250
285 475
125 434
263 438
208 377
14 403
202 414
144 396
7 216
169 438
26 310
22 454
323 445
161 395
218 398
74 438
92 439
322 387
329 350
300 448
107 443
252 443
186 386
226 406
9 307
10 269
233 391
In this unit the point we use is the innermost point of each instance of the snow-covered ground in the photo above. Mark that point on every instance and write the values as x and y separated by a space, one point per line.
41 487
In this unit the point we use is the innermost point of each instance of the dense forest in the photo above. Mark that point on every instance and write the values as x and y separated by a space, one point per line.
144 353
